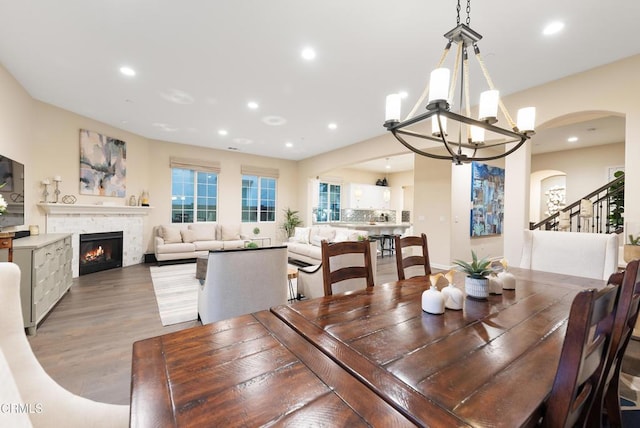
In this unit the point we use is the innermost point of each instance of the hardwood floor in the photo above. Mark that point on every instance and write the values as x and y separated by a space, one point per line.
85 342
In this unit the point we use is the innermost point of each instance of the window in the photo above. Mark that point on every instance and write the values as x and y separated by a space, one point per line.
328 203
194 195
258 199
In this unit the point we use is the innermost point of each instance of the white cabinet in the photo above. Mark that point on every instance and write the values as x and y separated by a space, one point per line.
45 273
369 197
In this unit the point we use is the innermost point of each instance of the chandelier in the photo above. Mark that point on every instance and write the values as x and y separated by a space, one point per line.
477 139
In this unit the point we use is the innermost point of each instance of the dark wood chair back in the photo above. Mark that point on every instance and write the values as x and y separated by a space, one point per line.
584 353
608 396
338 249
403 262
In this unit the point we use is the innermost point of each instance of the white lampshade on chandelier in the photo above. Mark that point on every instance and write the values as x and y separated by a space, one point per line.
474 139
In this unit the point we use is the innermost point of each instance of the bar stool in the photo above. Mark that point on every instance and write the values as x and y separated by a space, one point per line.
377 238
388 244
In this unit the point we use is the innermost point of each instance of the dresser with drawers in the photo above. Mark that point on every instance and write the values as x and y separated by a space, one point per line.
46 274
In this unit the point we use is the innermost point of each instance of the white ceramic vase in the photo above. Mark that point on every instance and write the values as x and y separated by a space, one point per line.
433 301
508 280
453 297
477 288
495 284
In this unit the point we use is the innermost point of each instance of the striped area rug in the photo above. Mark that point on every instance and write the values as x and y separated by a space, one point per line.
176 289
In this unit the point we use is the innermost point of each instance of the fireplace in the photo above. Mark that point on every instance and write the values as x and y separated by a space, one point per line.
100 251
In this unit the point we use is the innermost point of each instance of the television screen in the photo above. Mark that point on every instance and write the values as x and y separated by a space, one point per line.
12 191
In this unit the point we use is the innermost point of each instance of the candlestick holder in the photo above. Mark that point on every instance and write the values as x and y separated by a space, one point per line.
56 192
45 192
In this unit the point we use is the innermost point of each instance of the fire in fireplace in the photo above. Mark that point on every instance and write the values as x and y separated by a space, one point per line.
100 251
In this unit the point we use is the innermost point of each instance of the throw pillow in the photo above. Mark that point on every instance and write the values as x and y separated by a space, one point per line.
317 241
203 231
230 233
301 235
171 235
188 235
342 235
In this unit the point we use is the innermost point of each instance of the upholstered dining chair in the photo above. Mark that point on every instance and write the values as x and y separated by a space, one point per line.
360 269
582 360
51 405
608 395
591 255
406 259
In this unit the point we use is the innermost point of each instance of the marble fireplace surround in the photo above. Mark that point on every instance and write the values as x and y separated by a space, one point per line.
80 218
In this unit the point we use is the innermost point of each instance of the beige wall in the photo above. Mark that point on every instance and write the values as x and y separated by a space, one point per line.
586 168
16 134
229 184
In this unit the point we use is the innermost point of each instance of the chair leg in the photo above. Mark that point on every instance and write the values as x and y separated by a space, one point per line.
612 403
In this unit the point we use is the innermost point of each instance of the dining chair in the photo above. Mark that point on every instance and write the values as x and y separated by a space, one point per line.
405 257
584 352
332 275
590 255
608 395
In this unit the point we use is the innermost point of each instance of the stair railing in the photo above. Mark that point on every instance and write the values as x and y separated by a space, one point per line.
598 222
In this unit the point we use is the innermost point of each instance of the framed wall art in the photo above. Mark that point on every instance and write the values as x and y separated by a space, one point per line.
487 199
103 162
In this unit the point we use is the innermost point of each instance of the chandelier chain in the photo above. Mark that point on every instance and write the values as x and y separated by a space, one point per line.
468 12
458 13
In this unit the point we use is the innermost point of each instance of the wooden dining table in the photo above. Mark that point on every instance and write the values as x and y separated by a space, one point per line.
370 357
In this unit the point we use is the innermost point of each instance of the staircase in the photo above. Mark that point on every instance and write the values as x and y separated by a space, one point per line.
598 212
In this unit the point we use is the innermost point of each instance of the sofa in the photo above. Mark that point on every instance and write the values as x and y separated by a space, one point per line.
177 241
304 245
240 282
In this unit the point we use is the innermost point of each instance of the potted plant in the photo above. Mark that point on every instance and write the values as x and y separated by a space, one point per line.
476 283
291 221
632 246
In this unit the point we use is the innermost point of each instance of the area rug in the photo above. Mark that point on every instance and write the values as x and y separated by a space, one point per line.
176 289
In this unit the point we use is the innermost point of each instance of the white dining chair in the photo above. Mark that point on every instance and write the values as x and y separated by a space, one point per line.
590 255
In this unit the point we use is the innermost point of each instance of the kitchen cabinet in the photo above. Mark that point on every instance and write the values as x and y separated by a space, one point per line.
368 197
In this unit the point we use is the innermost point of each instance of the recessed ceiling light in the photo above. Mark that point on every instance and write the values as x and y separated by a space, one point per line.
223 132
127 71
274 120
403 94
252 105
387 166
332 126
309 54
553 28
288 144
572 139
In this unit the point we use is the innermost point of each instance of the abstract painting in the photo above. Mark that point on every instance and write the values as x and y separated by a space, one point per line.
102 165
487 199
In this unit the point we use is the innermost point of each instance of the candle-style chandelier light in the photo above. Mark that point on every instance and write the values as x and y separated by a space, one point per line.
477 139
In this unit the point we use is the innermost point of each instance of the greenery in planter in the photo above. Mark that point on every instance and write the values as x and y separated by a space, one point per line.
251 245
477 268
291 221
616 215
634 240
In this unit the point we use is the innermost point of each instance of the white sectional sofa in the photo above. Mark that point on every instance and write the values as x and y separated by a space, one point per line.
305 244
177 241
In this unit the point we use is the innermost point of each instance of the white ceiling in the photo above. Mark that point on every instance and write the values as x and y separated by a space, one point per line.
199 62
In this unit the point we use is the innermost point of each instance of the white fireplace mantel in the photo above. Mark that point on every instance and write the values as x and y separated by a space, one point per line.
84 209
79 219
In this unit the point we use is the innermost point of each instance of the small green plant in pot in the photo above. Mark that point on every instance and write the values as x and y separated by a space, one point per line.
476 283
632 248
251 245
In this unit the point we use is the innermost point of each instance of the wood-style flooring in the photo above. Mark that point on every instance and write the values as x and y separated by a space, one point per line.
85 342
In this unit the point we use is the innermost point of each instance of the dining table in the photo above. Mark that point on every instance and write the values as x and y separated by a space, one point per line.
370 357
